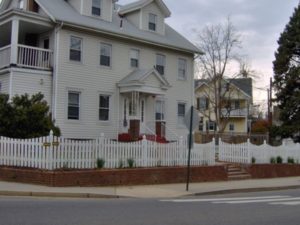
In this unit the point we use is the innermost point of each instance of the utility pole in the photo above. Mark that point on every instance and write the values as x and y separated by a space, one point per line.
271 102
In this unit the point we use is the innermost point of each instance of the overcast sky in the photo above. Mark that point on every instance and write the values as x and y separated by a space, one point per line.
259 21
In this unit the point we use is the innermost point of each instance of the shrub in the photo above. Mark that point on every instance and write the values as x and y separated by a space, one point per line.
130 162
290 160
253 160
279 159
100 163
25 117
273 160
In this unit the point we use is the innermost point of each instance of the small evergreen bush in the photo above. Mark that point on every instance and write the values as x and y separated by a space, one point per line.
100 163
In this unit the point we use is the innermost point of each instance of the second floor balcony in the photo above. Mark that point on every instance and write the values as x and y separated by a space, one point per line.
243 112
27 57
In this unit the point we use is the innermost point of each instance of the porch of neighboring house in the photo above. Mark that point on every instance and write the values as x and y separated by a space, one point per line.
26 44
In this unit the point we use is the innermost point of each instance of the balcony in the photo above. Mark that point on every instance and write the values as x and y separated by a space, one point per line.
235 112
27 57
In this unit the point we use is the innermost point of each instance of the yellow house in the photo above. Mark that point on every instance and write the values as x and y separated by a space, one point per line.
231 99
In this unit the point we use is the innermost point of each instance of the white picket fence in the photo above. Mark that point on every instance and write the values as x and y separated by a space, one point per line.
57 152
245 152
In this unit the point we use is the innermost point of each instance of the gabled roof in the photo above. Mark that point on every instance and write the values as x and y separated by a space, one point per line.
139 77
244 84
142 3
60 11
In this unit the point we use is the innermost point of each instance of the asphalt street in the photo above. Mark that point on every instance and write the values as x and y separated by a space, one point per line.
263 208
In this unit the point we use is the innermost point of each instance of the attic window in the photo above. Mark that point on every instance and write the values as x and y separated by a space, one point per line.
152 22
96 8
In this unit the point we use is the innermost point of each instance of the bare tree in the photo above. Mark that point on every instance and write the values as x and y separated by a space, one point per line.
220 44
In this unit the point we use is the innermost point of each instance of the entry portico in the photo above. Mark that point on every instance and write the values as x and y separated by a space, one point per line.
142 100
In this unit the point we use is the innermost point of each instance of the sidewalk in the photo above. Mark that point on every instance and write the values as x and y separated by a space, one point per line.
150 191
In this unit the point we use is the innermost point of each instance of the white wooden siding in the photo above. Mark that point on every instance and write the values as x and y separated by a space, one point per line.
4 80
91 78
32 82
135 18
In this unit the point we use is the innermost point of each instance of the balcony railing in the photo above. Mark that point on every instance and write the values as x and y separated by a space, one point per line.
33 57
235 112
30 57
5 56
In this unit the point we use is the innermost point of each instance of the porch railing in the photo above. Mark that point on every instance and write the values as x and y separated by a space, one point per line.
5 56
33 57
235 112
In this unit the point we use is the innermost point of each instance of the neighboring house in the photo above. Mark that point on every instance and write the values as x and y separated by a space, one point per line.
103 68
235 106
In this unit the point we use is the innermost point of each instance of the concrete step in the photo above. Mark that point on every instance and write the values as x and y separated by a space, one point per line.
235 172
239 177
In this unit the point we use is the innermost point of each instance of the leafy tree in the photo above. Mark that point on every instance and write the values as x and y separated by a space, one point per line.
25 117
286 68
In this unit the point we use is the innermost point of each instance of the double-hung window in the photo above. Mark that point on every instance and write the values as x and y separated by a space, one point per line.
160 63
75 48
73 105
134 58
96 7
181 113
231 127
181 69
104 107
152 22
202 103
160 110
105 55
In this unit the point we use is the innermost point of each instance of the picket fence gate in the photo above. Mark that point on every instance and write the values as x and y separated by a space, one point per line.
53 152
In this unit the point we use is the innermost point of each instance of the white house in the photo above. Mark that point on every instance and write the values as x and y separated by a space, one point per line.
103 68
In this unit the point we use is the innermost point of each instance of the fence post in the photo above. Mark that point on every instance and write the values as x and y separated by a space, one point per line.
212 156
144 151
101 150
50 151
181 150
249 152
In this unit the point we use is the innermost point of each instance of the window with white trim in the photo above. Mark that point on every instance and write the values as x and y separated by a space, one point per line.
160 110
152 22
134 58
160 63
75 48
211 125
182 69
181 113
96 8
73 105
201 123
105 55
104 103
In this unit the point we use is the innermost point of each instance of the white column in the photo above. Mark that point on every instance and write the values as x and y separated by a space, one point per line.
14 41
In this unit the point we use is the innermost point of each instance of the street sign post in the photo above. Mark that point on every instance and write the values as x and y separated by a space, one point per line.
191 121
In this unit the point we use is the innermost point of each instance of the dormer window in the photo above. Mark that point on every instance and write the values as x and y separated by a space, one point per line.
96 8
152 22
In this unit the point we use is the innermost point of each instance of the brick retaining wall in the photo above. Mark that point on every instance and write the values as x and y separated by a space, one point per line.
273 170
140 176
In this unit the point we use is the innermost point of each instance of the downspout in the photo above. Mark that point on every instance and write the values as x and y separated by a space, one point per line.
55 70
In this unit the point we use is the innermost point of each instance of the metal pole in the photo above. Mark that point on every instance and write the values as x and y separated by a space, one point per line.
189 153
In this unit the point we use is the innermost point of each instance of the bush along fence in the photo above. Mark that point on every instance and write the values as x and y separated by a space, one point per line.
248 153
52 153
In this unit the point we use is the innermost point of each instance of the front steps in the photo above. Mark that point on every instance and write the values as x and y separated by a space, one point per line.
236 172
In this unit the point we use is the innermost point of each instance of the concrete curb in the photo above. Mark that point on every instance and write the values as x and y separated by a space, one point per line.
57 194
245 190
